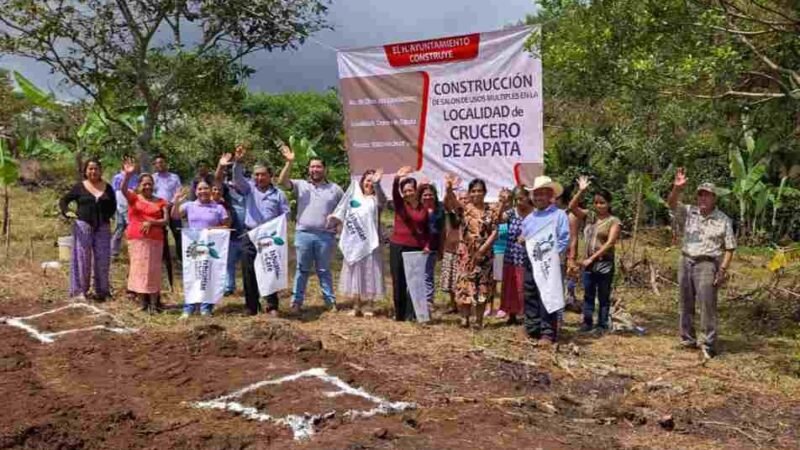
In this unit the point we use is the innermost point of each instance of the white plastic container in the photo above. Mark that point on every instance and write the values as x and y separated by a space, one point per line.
65 248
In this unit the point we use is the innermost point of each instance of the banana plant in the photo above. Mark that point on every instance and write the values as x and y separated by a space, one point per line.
8 175
748 166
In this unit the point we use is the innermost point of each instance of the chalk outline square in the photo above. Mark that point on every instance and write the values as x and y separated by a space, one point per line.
49 338
302 425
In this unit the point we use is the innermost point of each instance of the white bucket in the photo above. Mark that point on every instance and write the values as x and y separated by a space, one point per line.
65 248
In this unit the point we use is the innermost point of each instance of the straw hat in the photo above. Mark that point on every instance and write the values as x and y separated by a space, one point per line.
545 182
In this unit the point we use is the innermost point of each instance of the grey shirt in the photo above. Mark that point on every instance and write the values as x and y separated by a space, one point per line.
315 204
707 236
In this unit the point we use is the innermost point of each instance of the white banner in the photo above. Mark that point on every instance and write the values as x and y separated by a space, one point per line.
272 259
470 104
205 264
414 266
359 217
542 250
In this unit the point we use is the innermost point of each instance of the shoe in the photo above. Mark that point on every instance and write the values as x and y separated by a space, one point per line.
585 328
687 345
545 343
205 313
707 353
80 298
488 313
184 316
227 293
273 313
501 314
512 320
296 308
333 308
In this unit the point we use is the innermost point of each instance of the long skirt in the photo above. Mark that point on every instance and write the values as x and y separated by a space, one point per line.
144 275
512 298
91 255
363 278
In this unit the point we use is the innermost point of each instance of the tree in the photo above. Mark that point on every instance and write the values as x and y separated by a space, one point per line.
158 47
642 86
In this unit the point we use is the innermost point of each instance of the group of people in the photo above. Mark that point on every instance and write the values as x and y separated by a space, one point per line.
480 247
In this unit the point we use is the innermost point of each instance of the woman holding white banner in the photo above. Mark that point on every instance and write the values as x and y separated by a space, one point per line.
411 234
474 280
362 268
201 214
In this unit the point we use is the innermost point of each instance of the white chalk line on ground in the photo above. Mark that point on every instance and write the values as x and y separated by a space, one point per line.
303 425
49 337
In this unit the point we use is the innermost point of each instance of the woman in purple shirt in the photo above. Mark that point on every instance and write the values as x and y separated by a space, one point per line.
200 214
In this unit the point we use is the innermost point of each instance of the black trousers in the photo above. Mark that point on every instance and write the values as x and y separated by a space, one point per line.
403 308
251 295
175 229
538 322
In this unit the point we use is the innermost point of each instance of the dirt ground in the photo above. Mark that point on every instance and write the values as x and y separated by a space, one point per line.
472 389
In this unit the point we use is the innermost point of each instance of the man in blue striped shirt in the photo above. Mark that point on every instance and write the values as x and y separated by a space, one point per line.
263 202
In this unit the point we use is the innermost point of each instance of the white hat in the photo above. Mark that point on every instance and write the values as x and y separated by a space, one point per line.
545 182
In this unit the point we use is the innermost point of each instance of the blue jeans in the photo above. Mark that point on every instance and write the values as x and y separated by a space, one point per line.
314 248
597 285
234 254
205 308
119 231
430 268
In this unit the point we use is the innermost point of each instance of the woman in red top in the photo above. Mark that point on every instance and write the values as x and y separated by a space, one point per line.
411 234
147 216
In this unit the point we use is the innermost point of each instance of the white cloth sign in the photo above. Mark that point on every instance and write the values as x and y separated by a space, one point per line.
359 216
205 264
469 104
542 249
272 258
414 266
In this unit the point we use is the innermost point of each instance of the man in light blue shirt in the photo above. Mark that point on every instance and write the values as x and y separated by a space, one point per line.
122 210
539 324
165 185
263 202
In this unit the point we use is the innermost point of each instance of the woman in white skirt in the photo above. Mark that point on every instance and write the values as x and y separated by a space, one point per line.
359 211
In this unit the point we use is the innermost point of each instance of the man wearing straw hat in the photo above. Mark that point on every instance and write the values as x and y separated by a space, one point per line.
546 235
707 251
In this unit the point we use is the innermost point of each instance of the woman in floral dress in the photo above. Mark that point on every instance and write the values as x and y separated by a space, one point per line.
479 229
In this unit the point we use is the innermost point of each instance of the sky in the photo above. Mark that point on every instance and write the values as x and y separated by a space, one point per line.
357 23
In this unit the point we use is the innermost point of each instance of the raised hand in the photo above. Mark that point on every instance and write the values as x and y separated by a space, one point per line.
128 165
680 178
225 159
583 183
451 181
287 153
376 177
180 195
404 171
238 153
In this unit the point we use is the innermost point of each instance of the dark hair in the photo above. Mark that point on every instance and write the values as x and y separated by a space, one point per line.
142 176
605 194
406 181
90 161
364 176
160 156
520 188
264 166
321 161
428 187
475 183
